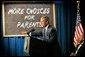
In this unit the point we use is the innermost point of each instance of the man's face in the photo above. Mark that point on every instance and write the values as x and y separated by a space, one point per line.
43 22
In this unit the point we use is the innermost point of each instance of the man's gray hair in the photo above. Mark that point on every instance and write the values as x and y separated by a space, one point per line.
45 17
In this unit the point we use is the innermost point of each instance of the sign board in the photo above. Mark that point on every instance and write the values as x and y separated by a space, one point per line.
22 16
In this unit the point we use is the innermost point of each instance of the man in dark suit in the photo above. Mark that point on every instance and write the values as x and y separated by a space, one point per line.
45 40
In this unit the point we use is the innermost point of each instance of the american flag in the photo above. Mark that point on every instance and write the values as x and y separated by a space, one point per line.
79 31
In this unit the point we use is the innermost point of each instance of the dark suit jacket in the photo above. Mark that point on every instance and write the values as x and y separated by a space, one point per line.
81 51
45 45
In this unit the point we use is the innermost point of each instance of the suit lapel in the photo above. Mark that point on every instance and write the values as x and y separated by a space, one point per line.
46 33
49 30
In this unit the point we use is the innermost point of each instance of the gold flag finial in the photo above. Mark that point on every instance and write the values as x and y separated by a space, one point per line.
78 1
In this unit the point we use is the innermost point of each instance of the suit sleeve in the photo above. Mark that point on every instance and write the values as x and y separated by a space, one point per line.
36 35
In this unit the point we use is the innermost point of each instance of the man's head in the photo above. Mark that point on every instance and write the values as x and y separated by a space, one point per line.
44 20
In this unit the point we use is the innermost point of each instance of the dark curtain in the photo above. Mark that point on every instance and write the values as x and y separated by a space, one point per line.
66 15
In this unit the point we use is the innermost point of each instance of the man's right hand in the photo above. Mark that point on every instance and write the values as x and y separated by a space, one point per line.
23 32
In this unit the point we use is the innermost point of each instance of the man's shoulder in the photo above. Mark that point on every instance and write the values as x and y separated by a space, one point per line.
53 29
50 26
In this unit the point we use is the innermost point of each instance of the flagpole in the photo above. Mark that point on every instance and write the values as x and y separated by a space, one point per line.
77 30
